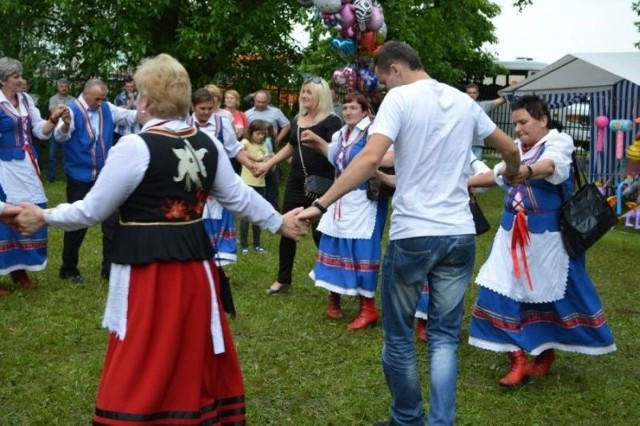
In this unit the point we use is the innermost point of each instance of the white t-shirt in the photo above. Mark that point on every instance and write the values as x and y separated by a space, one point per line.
432 126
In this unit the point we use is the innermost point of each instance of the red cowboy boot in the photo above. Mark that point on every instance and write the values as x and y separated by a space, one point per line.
421 329
542 363
518 370
333 310
368 315
20 276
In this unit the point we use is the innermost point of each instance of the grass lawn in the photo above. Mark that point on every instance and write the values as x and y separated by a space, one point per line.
302 369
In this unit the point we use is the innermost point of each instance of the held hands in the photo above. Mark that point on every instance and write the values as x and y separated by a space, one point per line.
59 111
29 220
292 227
522 175
9 213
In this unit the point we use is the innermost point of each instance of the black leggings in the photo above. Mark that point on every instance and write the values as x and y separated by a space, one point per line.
288 246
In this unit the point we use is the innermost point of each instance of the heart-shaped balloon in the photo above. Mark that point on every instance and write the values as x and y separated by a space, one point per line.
367 41
345 48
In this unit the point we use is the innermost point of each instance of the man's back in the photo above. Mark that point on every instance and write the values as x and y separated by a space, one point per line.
432 126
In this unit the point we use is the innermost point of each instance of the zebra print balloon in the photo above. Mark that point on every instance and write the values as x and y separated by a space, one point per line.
363 10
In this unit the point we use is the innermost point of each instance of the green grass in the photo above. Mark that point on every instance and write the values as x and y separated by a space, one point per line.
302 369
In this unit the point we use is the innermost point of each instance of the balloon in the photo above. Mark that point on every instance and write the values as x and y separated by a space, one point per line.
331 19
306 3
344 47
328 6
347 17
363 13
377 19
348 32
367 41
339 78
368 80
381 35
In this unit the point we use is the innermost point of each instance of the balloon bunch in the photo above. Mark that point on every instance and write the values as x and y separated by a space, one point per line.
360 29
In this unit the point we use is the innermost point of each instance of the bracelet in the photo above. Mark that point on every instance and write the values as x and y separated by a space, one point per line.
529 172
319 206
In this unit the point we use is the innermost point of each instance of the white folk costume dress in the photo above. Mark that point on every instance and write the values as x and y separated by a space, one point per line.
219 222
350 248
171 358
532 295
20 181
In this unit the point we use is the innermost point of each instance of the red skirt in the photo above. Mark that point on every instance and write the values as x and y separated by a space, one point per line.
165 371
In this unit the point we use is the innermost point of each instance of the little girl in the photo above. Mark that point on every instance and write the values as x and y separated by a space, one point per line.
258 152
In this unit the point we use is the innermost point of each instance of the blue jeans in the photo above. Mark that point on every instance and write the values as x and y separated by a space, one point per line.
54 148
446 263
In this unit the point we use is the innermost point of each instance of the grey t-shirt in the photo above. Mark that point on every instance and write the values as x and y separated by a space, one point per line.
486 107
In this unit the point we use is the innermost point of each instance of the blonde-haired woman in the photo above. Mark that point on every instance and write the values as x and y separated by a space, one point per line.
171 355
240 120
316 114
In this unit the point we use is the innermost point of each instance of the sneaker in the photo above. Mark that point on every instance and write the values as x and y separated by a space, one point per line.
245 250
260 249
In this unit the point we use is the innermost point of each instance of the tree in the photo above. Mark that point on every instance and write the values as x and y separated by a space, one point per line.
241 42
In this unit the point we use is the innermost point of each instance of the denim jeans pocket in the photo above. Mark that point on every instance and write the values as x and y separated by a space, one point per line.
411 260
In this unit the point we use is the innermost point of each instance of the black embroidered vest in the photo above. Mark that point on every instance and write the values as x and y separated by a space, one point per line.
162 219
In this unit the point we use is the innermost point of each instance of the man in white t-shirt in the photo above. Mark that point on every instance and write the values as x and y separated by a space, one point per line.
432 236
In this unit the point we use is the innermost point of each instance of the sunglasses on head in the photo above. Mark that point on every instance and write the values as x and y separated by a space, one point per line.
313 79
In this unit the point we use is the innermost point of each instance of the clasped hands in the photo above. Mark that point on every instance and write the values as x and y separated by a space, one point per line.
25 218
60 112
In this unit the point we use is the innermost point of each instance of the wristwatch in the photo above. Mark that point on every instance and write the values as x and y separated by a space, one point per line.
319 206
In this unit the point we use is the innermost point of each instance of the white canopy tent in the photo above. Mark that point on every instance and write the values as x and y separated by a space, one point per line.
610 82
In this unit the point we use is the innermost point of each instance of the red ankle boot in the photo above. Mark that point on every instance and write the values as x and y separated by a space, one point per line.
421 329
542 363
20 276
333 310
518 370
368 315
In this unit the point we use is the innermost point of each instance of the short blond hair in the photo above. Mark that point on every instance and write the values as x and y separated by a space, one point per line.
233 93
166 84
215 91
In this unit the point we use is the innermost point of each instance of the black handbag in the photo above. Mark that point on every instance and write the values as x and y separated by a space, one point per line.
376 190
480 220
585 217
315 186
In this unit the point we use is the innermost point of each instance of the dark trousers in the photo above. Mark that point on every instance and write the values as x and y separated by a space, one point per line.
272 180
288 246
72 240
244 226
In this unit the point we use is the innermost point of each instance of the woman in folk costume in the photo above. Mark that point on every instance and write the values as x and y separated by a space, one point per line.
219 222
171 357
350 247
20 179
533 297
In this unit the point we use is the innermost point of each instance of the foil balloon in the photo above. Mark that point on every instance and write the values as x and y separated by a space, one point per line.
362 9
367 41
339 78
347 17
328 6
331 19
344 47
381 34
368 80
377 19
